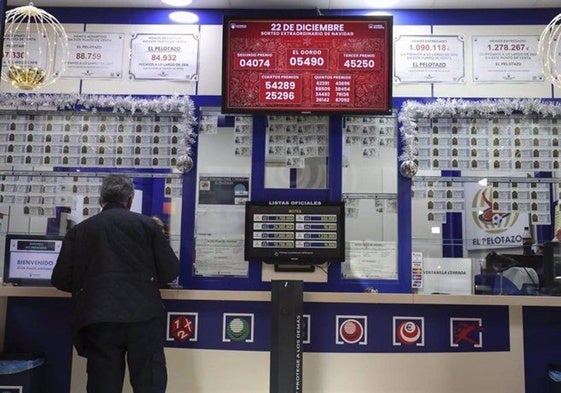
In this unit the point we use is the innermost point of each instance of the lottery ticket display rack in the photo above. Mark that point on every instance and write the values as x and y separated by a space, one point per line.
51 158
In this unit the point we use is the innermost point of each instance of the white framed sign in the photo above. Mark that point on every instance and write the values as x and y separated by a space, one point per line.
447 276
17 47
429 59
95 55
164 56
506 59
220 256
370 259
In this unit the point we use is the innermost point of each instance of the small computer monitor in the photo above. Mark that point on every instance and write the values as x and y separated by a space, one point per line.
29 259
552 266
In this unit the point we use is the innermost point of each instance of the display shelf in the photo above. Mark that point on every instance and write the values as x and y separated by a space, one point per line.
489 179
315 297
78 173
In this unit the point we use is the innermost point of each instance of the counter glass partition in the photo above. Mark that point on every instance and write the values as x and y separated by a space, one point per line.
297 152
52 161
370 194
485 235
223 187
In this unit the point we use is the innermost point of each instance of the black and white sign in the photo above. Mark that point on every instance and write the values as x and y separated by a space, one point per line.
164 56
95 55
429 59
506 59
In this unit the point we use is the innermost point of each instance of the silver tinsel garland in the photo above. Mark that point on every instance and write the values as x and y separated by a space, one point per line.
413 110
117 104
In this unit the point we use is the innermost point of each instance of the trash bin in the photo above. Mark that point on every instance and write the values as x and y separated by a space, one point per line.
21 372
553 378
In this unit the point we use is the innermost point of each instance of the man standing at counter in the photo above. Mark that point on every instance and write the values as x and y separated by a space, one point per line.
114 264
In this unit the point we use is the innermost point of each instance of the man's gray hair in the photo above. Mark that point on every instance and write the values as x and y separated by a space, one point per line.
116 188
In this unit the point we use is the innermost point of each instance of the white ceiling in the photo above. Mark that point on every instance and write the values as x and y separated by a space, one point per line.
297 4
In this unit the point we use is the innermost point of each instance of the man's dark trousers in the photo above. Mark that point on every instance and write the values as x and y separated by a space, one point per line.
139 344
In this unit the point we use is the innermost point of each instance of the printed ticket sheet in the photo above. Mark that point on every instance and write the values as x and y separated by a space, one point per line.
219 226
370 260
220 256
293 139
219 242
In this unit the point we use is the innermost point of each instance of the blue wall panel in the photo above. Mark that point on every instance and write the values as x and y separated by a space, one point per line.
340 327
43 325
542 346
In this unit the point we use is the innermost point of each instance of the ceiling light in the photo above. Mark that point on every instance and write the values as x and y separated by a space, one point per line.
378 13
380 3
177 3
183 17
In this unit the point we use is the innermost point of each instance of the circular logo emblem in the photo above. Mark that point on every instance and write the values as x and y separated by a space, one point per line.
351 331
408 332
237 329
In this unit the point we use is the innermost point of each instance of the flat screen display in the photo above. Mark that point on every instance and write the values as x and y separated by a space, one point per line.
291 233
30 259
552 267
307 65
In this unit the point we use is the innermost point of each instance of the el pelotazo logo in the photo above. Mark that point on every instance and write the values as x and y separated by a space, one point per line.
486 216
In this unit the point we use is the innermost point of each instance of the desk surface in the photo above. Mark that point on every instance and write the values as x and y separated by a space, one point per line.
319 297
